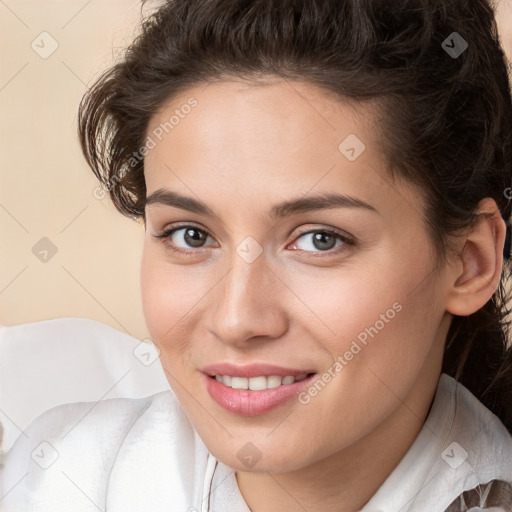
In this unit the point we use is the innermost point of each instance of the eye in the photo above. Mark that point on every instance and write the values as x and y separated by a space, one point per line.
323 240
190 236
317 241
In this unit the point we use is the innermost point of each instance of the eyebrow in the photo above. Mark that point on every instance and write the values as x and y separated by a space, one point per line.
294 206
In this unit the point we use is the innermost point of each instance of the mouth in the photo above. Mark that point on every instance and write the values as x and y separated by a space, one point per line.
254 370
260 382
254 389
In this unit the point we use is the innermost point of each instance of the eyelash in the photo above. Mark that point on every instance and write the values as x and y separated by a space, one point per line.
347 241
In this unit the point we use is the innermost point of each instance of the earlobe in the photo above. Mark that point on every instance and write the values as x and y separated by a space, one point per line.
478 271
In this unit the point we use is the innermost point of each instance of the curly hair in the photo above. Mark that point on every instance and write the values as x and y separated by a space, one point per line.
435 68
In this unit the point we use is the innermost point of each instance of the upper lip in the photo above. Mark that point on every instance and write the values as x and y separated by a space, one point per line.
252 370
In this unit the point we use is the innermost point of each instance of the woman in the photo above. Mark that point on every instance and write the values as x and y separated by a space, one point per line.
323 186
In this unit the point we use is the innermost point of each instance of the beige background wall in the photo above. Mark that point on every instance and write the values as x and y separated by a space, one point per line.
46 189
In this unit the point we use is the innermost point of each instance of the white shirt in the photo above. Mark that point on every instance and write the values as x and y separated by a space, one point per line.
142 454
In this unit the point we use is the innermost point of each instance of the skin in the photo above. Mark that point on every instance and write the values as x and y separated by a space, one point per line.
241 150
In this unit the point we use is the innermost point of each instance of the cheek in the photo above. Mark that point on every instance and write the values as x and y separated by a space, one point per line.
151 291
346 301
383 320
163 302
171 296
383 333
363 324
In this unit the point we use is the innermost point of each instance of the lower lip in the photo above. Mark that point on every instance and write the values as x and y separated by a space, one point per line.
246 402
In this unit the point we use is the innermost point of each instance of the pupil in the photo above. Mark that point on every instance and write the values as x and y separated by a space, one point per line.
194 241
320 238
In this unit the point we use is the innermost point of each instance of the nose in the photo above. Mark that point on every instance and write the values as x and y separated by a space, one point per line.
248 304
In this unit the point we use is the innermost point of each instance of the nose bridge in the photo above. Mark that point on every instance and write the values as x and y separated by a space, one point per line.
244 286
246 301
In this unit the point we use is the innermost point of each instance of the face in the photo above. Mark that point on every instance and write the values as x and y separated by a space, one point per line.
347 293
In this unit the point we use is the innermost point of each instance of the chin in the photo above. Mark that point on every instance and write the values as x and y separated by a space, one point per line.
247 457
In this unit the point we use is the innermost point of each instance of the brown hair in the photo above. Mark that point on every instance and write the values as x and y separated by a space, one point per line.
446 125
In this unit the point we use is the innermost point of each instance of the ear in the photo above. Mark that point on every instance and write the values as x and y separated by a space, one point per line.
477 271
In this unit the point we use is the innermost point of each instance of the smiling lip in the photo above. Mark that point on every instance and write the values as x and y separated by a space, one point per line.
252 370
246 402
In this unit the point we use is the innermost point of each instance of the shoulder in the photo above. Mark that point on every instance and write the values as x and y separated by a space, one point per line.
462 445
105 420
80 442
480 427
478 447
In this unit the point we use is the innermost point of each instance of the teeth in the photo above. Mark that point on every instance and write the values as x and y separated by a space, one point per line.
258 383
239 382
274 381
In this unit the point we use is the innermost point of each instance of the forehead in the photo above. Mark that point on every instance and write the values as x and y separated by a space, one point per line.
275 140
288 108
261 124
